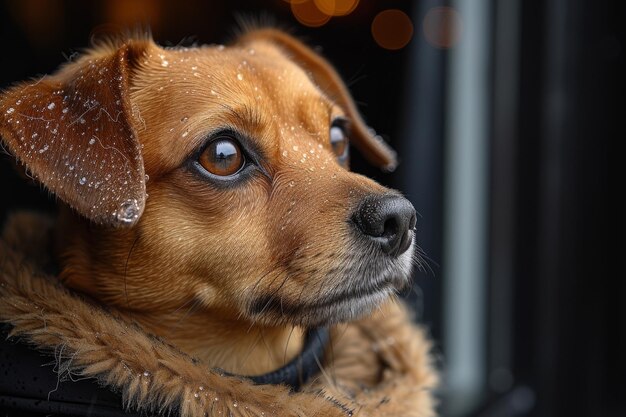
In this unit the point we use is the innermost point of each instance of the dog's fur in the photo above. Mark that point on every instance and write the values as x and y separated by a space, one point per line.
228 273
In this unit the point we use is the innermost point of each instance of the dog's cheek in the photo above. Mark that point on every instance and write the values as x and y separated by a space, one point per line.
214 238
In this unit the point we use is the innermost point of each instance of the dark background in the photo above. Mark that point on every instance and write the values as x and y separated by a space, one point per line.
553 321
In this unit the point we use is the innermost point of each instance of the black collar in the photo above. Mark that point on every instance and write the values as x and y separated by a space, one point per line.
301 368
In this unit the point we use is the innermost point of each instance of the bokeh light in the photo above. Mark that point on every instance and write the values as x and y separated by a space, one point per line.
41 21
129 13
442 27
336 7
392 29
308 14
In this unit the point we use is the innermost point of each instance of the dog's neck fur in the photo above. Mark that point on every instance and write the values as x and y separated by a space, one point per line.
221 339
234 345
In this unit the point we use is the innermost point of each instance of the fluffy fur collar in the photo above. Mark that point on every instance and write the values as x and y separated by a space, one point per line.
379 366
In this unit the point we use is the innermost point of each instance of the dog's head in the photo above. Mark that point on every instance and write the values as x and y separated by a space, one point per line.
243 152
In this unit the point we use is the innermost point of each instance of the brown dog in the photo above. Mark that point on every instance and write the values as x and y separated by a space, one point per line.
254 229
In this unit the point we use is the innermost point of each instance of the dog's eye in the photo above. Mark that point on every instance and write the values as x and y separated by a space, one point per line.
222 157
339 138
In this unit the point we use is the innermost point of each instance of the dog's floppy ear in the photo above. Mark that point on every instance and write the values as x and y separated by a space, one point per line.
325 76
75 133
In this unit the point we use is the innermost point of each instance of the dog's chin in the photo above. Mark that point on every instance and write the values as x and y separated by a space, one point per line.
344 310
361 289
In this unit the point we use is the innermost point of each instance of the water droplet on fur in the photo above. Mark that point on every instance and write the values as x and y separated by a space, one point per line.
10 110
185 133
146 373
292 183
128 212
51 106
196 395
92 141
295 147
42 150
285 153
82 181
235 404
239 76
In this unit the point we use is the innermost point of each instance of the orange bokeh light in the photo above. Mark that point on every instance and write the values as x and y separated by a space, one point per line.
392 29
336 7
442 27
308 14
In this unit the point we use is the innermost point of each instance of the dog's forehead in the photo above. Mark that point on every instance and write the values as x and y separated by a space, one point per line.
235 70
256 89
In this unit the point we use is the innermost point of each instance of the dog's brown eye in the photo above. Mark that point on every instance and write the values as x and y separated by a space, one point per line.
222 157
339 140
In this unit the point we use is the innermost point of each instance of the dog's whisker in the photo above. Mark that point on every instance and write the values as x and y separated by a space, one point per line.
287 345
182 306
323 370
423 261
126 273
254 344
270 351
331 360
196 303
258 281
262 278
272 296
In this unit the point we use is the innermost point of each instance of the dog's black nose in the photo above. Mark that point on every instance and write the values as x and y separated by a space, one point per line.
388 220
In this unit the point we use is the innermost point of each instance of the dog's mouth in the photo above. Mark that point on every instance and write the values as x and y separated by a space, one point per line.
355 291
327 309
